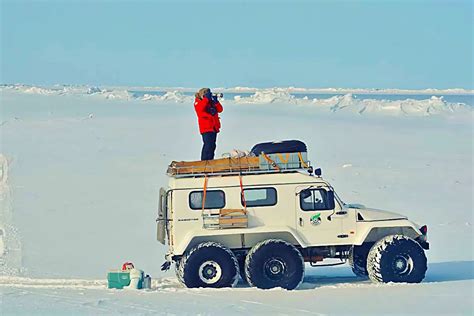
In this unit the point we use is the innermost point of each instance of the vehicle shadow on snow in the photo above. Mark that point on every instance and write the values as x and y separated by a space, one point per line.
437 272
450 271
327 276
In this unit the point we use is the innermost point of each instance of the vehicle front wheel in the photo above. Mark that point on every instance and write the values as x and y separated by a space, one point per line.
396 258
274 263
209 264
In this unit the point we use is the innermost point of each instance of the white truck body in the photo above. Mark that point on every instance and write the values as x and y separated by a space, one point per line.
285 220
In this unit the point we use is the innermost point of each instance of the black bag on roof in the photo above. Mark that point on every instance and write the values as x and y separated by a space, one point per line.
286 146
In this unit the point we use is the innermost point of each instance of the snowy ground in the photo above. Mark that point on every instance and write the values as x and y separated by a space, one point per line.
79 196
447 290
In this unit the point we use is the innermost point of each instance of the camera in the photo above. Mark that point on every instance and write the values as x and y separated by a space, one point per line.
216 96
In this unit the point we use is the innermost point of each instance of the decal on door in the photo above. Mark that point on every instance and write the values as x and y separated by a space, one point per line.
315 219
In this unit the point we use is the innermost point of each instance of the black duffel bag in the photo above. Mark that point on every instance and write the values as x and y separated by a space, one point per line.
286 146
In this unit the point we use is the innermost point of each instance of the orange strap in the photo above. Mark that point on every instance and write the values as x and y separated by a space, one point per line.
272 163
204 192
242 192
284 160
303 163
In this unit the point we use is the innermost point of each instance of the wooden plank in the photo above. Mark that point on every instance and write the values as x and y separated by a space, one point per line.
212 166
232 221
232 226
233 212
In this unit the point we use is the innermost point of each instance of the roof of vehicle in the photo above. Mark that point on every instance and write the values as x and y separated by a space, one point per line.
248 179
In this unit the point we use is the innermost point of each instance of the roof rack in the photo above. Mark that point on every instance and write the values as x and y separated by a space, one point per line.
262 164
236 173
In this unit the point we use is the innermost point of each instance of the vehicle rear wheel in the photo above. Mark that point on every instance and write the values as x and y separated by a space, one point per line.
396 258
274 263
178 271
209 264
358 259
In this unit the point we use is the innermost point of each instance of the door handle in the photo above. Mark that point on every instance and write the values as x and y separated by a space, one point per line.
301 221
341 213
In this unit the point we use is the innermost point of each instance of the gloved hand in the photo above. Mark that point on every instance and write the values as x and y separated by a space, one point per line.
214 99
212 110
208 95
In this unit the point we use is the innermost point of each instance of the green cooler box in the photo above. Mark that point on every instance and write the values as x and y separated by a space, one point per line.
118 279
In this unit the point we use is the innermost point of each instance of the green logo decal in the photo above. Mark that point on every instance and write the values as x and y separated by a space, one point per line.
315 219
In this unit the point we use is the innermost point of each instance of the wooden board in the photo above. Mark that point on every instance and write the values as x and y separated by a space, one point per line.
232 221
213 166
232 212
225 218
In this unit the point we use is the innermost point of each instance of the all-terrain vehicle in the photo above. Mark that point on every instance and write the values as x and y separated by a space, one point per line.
263 217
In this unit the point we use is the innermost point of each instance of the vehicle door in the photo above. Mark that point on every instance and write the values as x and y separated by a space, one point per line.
316 218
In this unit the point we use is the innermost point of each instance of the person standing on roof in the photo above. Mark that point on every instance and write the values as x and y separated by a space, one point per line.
207 108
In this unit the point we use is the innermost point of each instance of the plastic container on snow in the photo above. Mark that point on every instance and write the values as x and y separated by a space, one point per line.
118 279
147 282
128 277
136 279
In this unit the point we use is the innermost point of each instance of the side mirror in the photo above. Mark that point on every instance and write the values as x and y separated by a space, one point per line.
331 204
318 172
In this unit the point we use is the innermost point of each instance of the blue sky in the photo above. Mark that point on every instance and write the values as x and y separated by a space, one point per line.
384 44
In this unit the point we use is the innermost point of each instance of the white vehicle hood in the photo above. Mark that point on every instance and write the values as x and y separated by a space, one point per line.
372 214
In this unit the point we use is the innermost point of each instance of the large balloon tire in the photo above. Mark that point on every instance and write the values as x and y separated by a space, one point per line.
274 263
209 264
396 258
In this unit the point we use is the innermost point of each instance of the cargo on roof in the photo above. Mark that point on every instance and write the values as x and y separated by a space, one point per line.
264 157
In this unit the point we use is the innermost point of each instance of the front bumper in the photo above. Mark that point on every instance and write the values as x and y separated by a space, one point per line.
423 242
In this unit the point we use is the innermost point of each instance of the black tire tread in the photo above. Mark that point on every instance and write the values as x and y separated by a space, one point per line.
182 263
257 247
358 260
381 247
178 272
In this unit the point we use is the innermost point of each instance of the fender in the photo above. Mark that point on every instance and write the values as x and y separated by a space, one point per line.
371 231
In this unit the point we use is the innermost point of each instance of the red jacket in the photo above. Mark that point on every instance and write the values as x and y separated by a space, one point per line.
207 122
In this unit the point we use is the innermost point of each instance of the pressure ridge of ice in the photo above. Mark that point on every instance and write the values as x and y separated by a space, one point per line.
431 105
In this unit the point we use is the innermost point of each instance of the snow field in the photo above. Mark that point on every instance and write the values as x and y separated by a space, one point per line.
84 173
330 291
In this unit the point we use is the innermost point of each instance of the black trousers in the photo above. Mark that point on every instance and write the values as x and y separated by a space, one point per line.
209 145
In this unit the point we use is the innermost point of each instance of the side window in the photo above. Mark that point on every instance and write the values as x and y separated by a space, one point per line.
214 199
314 200
260 197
